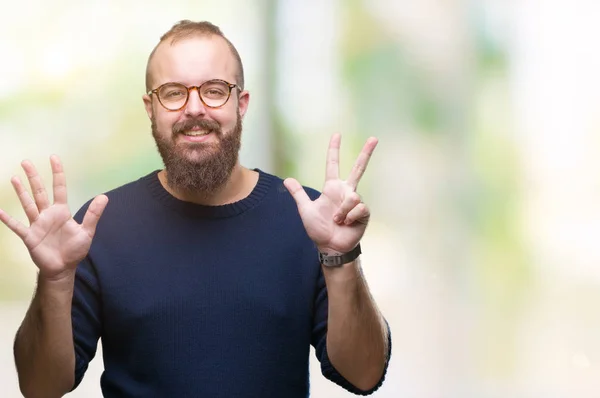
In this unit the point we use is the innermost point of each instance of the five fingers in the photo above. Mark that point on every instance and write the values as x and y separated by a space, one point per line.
34 206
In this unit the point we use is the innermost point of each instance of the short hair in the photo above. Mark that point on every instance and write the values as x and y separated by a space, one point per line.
186 28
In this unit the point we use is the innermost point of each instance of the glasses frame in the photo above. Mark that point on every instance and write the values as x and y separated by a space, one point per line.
231 86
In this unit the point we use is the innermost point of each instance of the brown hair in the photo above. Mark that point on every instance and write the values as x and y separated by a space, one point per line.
186 28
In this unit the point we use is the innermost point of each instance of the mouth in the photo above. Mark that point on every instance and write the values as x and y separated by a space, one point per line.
196 133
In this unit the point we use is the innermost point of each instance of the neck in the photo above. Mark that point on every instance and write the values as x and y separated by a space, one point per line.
238 186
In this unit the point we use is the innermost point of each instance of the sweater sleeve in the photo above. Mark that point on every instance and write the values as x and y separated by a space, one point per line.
319 341
85 316
85 313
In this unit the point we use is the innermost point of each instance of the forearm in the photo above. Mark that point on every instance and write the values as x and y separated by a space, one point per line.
357 340
44 351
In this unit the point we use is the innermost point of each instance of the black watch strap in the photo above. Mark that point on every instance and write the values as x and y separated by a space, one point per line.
339 260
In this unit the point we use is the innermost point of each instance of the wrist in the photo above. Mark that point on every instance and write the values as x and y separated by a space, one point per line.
66 277
343 279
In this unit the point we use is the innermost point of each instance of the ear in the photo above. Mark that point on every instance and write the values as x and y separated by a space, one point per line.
243 102
148 104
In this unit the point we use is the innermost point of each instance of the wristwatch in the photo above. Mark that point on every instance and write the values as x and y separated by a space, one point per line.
339 260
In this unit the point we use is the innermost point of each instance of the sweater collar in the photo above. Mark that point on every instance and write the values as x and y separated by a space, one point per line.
159 193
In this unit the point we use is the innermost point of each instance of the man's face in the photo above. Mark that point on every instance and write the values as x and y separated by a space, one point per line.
199 145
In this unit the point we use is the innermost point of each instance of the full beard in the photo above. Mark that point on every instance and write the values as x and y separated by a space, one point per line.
199 168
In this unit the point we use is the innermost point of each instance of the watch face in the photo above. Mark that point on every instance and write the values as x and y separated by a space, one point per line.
336 261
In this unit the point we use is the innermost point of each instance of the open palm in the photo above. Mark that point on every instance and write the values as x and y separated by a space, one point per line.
56 242
336 221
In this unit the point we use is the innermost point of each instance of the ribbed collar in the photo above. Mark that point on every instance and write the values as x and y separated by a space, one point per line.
195 210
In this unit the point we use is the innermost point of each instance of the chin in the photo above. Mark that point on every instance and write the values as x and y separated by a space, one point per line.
198 153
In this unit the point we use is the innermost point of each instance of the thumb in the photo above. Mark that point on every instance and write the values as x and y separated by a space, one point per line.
297 192
93 213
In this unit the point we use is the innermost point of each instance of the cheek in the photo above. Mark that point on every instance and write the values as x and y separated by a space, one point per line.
226 119
165 122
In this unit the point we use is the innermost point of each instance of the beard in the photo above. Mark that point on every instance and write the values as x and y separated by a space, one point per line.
198 167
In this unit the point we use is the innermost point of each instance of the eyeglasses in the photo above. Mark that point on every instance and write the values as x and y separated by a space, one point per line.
174 96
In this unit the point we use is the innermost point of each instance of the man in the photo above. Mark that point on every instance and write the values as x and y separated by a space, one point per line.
204 279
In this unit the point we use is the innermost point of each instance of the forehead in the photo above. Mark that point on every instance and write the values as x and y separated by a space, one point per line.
193 60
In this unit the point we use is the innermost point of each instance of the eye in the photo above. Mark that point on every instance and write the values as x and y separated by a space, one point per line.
174 94
214 91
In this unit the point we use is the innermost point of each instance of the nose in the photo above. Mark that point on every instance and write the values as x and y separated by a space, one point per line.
194 107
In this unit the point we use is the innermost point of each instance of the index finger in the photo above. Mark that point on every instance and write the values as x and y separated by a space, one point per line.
332 170
361 162
59 182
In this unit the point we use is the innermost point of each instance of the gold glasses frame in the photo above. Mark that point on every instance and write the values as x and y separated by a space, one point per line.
231 86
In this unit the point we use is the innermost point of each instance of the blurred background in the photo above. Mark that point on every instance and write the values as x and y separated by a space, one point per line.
483 250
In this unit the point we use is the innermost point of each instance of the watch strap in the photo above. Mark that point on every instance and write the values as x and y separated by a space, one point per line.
341 259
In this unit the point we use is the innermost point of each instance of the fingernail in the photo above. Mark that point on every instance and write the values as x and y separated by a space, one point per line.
337 218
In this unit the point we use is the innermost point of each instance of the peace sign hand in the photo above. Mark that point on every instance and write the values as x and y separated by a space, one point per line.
55 241
337 220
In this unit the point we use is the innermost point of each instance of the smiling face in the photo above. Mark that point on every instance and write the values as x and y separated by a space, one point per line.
199 145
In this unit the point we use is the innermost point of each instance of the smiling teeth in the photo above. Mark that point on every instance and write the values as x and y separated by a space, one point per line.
195 133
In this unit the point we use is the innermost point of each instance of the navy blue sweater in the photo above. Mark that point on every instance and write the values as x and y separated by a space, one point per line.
201 301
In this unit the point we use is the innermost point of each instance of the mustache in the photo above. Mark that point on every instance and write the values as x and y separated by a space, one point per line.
202 124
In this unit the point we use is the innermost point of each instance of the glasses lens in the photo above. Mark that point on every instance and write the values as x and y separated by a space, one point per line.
214 93
173 95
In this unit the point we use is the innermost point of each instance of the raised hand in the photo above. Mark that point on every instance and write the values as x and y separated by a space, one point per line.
337 220
56 242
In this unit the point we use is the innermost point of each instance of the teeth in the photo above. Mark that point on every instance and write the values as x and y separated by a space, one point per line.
195 133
